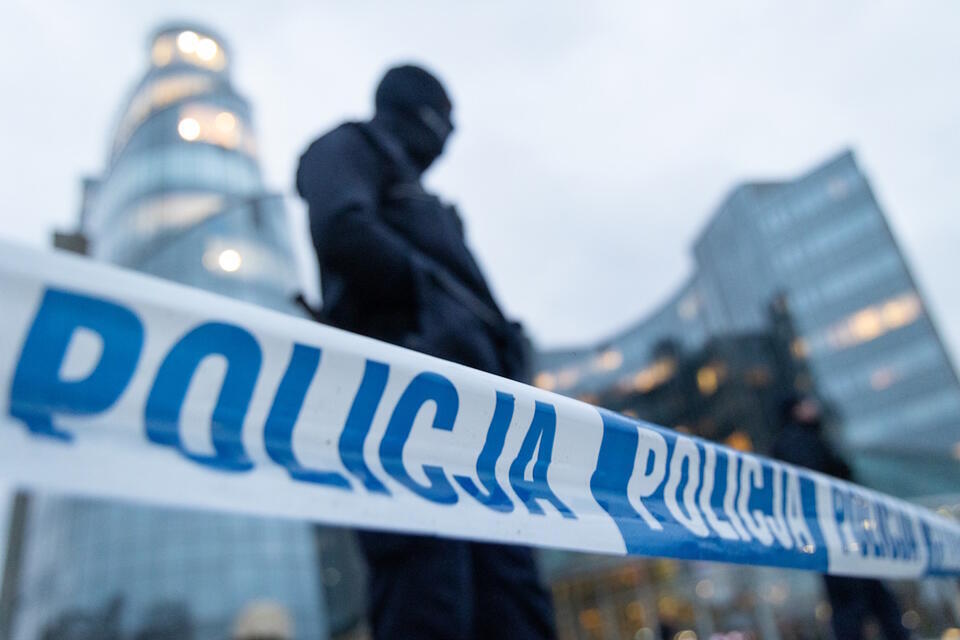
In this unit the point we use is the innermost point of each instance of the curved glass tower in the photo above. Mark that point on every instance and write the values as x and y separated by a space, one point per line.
182 198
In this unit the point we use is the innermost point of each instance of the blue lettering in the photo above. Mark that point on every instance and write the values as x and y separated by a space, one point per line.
162 413
278 430
494 496
38 392
542 430
426 387
358 425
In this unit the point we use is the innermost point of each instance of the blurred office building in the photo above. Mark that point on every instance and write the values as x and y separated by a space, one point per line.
799 287
182 198
820 249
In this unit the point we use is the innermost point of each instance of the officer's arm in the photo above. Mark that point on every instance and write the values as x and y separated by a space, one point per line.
339 176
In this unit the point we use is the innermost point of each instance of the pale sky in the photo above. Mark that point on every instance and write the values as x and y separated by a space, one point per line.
594 139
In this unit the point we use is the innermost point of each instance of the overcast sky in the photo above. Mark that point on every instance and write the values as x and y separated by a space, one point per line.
594 139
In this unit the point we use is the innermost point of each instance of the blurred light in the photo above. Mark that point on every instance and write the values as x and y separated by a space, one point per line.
162 52
187 41
229 260
225 121
799 348
686 634
653 376
739 441
704 589
953 633
644 633
206 49
823 612
874 321
910 619
956 450
545 380
189 129
707 380
635 610
590 619
609 360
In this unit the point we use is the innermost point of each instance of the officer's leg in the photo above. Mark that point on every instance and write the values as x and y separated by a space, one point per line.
420 587
511 600
848 601
885 607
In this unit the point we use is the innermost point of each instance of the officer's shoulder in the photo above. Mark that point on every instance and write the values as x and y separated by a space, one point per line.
346 138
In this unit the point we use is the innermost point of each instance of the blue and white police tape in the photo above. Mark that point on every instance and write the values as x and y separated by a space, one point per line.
118 384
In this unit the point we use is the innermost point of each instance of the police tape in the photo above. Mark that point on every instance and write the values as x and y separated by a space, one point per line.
121 385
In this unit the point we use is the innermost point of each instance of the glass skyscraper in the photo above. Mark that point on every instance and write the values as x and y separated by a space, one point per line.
822 246
812 264
182 198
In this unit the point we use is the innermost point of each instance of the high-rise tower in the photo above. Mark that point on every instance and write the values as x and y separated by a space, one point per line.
181 198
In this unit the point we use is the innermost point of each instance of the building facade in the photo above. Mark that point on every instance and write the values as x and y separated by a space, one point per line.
799 287
821 246
182 198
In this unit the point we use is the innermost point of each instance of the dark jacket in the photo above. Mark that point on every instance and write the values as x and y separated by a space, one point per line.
805 446
394 264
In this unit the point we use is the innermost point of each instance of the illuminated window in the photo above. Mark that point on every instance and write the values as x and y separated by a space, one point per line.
189 129
213 125
157 95
187 42
162 51
229 260
709 378
799 348
174 211
609 360
874 321
739 441
650 378
241 259
200 50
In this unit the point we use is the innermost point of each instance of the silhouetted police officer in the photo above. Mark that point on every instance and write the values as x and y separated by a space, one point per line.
853 600
394 265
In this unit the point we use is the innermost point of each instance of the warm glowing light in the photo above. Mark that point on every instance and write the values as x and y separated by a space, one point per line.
609 360
956 451
799 348
229 260
189 129
739 441
953 633
591 619
225 121
187 41
653 376
206 49
874 321
686 634
162 52
707 380
545 380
